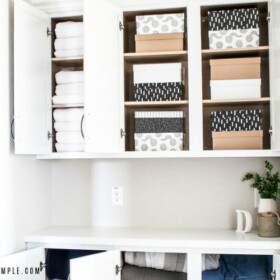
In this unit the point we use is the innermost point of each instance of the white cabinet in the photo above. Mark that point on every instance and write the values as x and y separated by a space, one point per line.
108 60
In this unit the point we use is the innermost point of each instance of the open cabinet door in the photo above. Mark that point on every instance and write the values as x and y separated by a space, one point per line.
32 80
103 266
275 275
274 62
26 265
103 66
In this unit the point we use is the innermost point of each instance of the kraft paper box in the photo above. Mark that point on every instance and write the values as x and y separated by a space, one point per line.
238 140
159 42
235 68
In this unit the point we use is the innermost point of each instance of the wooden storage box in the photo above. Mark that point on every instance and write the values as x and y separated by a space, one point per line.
159 42
235 68
238 140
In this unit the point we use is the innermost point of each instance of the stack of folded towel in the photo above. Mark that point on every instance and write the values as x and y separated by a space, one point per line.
69 39
69 88
67 124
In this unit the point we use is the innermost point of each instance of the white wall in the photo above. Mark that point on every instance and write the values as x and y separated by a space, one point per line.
25 188
184 193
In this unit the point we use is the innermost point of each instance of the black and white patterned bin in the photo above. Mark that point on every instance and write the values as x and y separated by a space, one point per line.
235 28
159 131
236 120
158 82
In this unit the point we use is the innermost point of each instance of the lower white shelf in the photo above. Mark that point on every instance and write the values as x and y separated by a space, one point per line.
158 240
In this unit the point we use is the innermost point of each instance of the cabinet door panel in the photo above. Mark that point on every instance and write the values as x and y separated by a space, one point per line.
103 77
32 80
274 53
23 266
276 266
99 266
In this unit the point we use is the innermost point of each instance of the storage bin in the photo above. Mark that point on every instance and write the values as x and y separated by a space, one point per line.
159 42
235 89
240 38
236 28
232 19
236 120
159 24
158 141
235 68
159 122
158 82
158 91
157 73
237 140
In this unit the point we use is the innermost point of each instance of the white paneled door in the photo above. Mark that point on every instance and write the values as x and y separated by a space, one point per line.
26 265
32 80
103 266
274 53
103 67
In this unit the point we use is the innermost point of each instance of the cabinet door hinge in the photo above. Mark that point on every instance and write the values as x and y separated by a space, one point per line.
118 269
49 32
270 131
42 266
123 133
273 275
50 135
121 26
268 17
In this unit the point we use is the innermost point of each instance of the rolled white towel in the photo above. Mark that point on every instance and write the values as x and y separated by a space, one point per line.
68 99
68 115
69 29
69 137
69 53
69 77
71 89
72 43
77 147
67 126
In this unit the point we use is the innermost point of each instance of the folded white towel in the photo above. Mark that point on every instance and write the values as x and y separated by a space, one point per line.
69 147
69 137
68 99
72 43
69 77
71 89
69 29
68 115
69 53
67 126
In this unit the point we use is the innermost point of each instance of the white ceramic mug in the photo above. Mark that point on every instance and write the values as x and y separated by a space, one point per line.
244 221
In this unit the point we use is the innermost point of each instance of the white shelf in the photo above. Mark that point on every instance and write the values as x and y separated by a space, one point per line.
182 154
143 239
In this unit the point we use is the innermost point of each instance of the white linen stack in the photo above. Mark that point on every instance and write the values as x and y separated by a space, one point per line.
67 124
69 88
69 40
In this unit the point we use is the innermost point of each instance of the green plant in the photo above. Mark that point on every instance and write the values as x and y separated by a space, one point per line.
268 185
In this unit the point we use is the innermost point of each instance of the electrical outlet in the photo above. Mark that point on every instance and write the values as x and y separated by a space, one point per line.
117 196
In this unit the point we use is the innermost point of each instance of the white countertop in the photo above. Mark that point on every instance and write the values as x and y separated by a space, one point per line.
143 239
